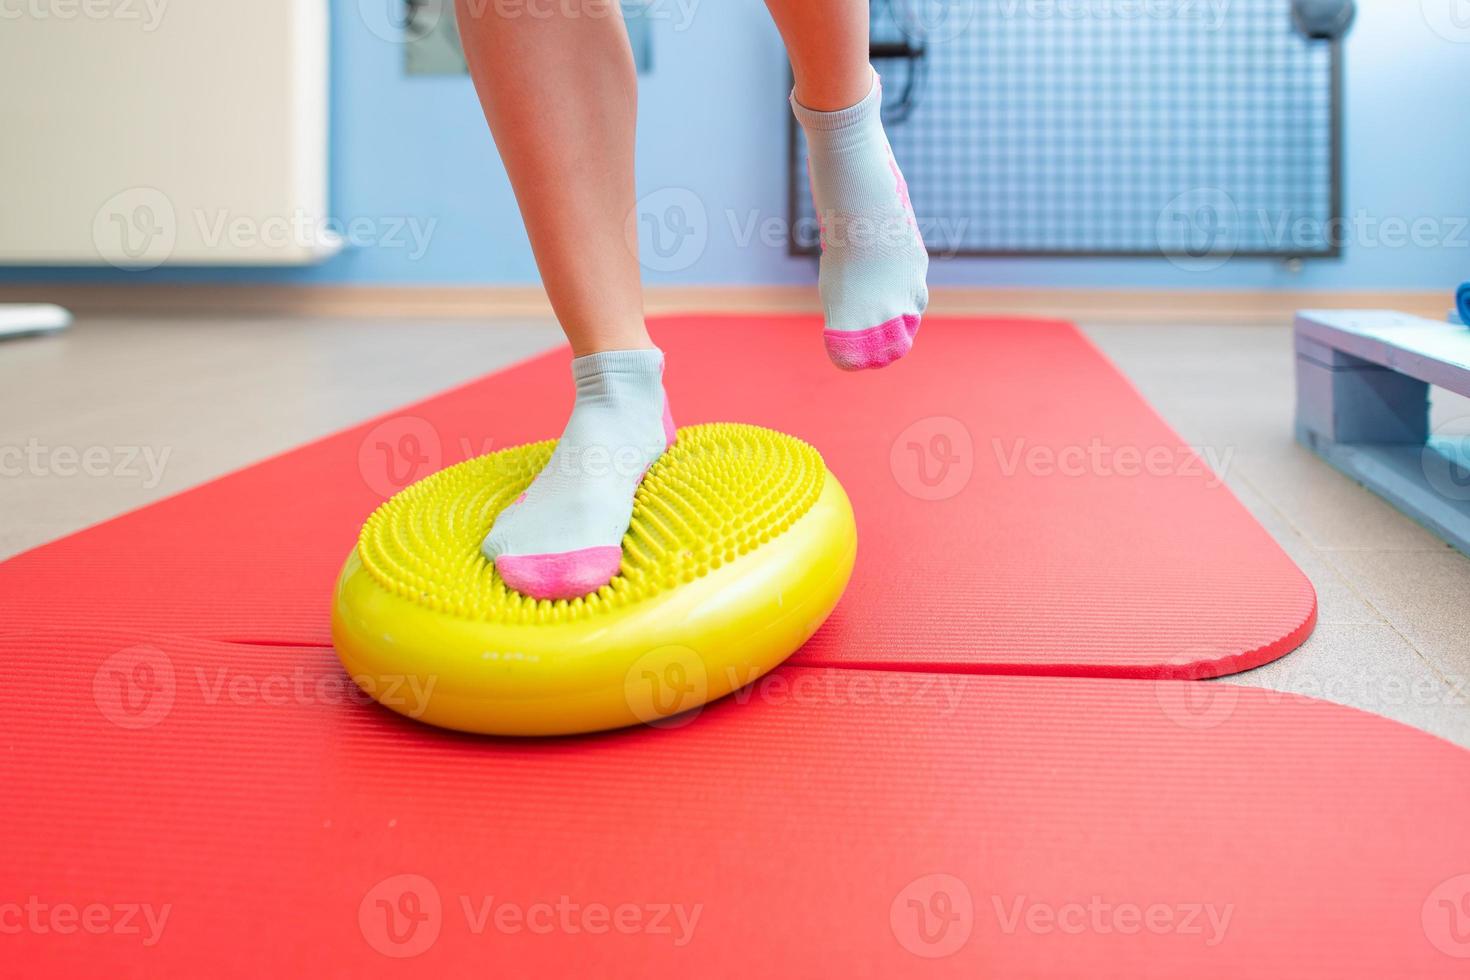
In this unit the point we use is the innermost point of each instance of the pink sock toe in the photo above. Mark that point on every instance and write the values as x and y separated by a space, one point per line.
875 347
566 575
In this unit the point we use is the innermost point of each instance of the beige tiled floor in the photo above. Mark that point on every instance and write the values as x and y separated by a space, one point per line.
1393 635
207 397
198 398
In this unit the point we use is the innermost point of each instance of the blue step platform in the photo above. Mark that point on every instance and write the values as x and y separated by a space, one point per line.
1362 380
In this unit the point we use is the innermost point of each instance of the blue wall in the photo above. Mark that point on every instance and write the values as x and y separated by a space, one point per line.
713 121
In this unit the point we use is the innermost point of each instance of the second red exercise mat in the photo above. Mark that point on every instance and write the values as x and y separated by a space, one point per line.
823 822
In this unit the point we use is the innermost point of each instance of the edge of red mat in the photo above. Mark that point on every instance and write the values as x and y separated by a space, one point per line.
1194 668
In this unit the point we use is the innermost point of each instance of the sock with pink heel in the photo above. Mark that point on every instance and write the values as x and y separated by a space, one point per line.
874 263
563 537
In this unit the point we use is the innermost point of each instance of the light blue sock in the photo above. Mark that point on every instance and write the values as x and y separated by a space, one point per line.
563 537
873 260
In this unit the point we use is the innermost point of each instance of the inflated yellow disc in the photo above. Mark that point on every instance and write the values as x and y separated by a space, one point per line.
741 544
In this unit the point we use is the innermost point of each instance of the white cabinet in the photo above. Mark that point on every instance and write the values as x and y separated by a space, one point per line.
142 132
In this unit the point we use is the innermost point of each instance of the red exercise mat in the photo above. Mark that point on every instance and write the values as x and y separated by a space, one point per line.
1020 509
827 822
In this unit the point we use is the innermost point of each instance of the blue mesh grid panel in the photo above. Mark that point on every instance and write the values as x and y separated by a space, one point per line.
1190 128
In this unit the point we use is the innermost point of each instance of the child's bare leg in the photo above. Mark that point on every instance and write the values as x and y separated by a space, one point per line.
827 44
559 90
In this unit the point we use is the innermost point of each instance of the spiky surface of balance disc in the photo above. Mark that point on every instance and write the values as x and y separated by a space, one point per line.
720 492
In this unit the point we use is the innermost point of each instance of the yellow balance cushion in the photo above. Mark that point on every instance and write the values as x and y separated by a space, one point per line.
741 544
